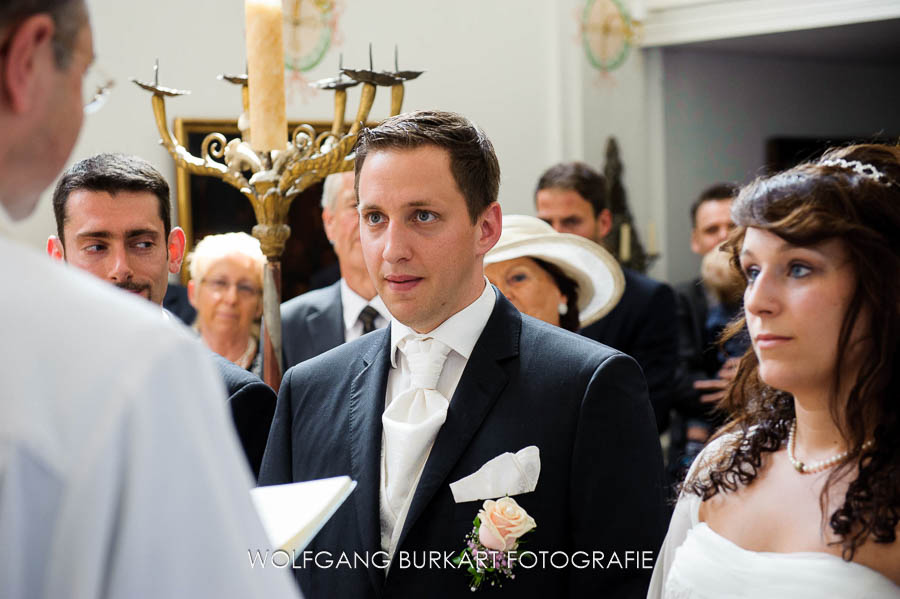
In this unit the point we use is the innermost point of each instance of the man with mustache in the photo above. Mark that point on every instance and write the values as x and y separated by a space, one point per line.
113 219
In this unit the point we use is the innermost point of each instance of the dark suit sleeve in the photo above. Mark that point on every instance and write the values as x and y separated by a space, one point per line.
656 350
276 465
617 489
252 407
685 398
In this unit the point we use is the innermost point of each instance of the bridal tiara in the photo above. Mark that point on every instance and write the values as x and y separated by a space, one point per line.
860 168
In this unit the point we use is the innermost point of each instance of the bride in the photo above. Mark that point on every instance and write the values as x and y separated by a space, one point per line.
800 494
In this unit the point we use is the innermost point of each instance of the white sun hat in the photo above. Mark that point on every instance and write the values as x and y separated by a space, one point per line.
599 277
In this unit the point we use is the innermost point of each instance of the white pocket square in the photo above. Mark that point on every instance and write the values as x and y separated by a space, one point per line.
507 474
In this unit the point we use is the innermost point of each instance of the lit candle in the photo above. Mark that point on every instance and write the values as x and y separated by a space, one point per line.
625 242
265 70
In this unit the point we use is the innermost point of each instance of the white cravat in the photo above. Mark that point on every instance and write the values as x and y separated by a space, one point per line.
411 422
460 333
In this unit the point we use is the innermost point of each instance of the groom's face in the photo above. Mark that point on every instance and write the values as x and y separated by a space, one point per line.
421 248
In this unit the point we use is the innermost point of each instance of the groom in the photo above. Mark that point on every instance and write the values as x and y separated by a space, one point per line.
458 378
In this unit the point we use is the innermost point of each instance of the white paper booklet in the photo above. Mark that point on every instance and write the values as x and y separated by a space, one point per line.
294 513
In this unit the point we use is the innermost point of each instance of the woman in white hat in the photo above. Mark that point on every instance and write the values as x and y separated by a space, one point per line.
562 279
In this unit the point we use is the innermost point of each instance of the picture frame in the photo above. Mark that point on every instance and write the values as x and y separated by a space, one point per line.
786 152
207 205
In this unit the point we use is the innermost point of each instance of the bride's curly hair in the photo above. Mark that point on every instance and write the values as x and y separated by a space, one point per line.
852 194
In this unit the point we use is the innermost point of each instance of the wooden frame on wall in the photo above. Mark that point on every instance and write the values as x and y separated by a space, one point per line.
785 152
207 205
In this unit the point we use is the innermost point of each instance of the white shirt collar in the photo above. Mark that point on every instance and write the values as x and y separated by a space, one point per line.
353 303
460 332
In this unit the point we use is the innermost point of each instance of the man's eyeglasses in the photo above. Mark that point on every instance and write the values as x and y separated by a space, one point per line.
221 286
96 87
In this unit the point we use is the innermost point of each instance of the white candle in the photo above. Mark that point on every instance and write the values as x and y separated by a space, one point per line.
625 242
265 70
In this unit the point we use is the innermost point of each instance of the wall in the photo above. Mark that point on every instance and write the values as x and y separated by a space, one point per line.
682 118
498 62
719 109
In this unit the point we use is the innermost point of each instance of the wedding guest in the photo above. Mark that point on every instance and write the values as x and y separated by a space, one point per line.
571 197
800 495
226 289
113 220
318 320
562 279
701 377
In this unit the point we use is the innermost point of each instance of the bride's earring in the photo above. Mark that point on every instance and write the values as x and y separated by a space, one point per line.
563 308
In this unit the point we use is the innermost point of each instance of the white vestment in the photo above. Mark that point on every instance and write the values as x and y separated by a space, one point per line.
120 471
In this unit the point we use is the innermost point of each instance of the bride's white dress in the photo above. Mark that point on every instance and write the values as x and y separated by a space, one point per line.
697 563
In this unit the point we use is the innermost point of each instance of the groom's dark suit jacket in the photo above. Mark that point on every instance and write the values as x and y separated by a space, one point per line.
584 405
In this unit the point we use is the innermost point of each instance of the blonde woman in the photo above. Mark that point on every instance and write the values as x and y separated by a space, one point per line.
226 290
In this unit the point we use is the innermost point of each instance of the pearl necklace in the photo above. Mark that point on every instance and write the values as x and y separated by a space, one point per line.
820 465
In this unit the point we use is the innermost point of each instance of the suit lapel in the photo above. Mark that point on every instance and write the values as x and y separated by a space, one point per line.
327 325
367 392
482 382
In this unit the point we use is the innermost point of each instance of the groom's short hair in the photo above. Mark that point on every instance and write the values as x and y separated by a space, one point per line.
473 162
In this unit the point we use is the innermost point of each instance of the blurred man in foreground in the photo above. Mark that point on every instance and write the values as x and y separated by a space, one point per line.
119 472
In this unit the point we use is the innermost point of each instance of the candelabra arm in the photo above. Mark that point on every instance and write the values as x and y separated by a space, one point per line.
213 145
302 172
396 99
340 109
179 153
367 98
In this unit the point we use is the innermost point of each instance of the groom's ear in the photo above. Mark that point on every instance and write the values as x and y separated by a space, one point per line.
490 225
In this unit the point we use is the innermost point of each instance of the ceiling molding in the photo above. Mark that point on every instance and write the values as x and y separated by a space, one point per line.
672 22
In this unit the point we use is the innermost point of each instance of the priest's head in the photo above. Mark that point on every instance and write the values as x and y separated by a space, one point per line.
46 50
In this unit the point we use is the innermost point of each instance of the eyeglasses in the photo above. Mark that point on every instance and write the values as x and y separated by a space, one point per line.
96 87
221 286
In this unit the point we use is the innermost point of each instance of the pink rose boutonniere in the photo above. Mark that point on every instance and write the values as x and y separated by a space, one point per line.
491 545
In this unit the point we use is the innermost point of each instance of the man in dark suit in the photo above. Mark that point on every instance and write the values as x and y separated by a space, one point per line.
701 378
324 318
113 220
571 197
457 379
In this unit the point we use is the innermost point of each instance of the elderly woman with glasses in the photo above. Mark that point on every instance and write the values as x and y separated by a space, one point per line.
226 290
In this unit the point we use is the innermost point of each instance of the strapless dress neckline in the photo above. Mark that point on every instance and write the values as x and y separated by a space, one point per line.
709 565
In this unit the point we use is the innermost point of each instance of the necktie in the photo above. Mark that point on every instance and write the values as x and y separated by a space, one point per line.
412 420
367 317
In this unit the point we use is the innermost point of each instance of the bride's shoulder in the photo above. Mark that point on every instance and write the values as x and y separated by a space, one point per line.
717 450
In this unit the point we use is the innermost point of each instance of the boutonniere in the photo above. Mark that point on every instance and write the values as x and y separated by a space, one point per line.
490 551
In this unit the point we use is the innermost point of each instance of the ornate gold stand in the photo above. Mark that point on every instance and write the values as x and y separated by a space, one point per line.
271 180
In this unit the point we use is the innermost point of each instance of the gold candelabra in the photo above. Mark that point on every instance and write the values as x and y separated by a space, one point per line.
271 180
